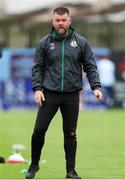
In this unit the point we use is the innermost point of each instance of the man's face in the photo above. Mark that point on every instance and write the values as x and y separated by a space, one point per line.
61 23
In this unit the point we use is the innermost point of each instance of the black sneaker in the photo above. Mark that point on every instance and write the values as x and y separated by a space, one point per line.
32 171
72 175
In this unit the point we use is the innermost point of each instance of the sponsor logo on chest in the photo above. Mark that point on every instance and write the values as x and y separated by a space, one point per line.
52 46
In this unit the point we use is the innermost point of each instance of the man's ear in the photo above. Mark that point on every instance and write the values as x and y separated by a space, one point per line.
70 20
52 21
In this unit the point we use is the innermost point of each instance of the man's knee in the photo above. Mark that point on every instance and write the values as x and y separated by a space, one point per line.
69 134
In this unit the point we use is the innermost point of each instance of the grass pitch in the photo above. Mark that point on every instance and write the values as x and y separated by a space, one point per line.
100 152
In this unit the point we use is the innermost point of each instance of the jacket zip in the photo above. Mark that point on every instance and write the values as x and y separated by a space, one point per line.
62 70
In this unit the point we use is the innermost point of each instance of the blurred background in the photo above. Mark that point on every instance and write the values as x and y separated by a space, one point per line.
102 22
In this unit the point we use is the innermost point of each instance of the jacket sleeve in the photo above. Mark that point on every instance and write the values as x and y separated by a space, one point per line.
38 67
90 67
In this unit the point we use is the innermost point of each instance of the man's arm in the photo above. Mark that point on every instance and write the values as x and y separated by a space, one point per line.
90 68
38 73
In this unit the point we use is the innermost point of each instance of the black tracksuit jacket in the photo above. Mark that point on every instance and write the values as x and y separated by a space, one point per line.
59 62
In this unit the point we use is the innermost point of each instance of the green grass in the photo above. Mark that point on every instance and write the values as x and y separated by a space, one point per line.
101 145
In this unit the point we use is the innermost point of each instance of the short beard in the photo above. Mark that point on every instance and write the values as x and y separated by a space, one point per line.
62 33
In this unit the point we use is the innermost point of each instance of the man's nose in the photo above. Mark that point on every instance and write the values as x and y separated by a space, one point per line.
60 22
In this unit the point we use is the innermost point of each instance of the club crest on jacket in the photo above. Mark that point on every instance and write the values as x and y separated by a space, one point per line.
73 43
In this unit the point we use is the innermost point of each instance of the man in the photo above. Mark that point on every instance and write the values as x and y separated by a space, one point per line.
56 81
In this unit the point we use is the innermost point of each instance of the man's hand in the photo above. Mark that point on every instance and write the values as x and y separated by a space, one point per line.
39 97
98 94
